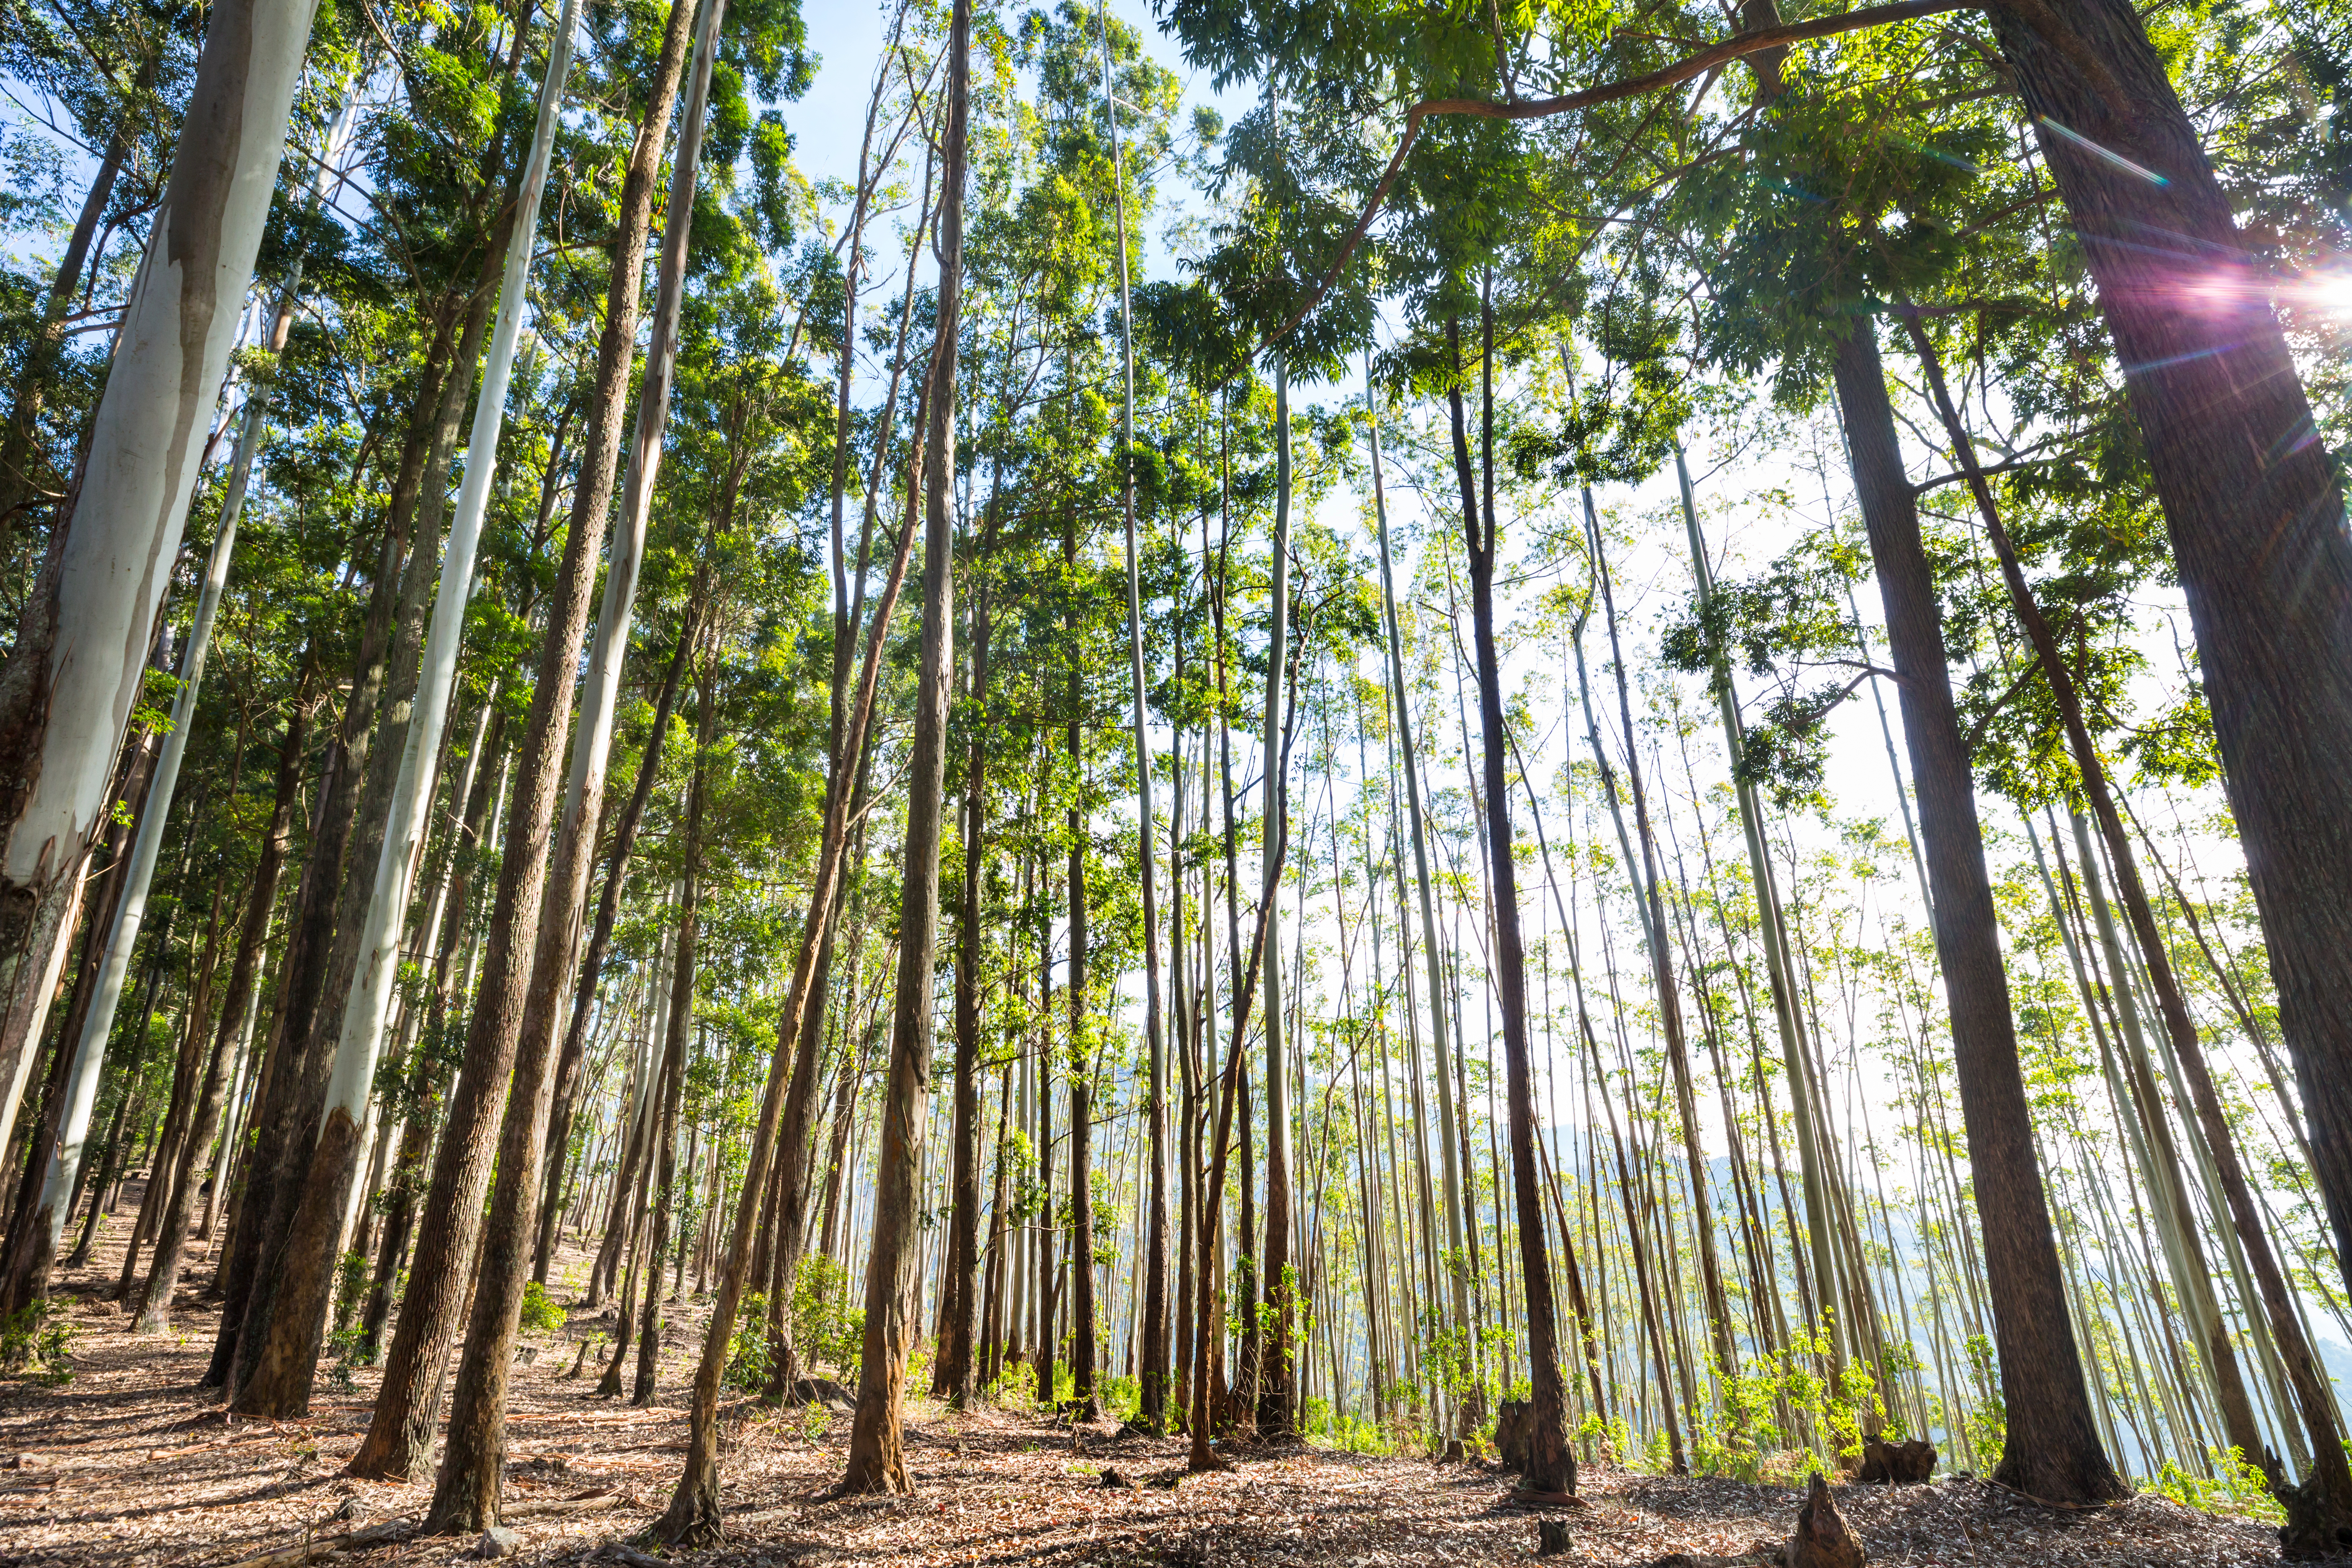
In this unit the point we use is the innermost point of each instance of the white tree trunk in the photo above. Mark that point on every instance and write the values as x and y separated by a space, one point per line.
76 672
97 1024
369 1003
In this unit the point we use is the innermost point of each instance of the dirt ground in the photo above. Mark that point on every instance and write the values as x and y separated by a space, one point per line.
129 1464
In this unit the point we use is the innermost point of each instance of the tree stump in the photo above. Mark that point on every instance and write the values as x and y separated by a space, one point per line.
2316 1526
1897 1464
1822 1540
1514 1434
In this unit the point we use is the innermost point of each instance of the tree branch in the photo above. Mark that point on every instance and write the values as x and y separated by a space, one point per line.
1737 46
1977 730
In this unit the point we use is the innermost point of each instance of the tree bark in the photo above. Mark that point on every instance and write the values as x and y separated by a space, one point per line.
608 909
283 1136
261 900
2053 1449
517 1001
76 666
1153 1379
286 1316
1080 1239
2315 1406
2252 501
400 1434
955 1350
681 1028
1274 1273
876 1453
429 1082
1551 1465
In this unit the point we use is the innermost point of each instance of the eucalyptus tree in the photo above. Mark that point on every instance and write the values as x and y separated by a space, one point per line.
73 669
298 1315
440 187
877 1459
121 74
1459 194
405 1411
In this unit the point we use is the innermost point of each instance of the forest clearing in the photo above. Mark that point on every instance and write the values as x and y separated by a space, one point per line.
1469 778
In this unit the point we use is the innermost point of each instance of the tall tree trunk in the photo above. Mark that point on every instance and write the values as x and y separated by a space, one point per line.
798 1032
1458 1297
2315 1407
523 1000
134 769
692 1515
2252 501
285 1319
28 1265
608 909
2053 1449
429 1082
75 667
1153 1411
374 909
1080 1240
681 1028
261 900
400 1434
1551 1465
955 1349
876 1453
1274 1401
283 1136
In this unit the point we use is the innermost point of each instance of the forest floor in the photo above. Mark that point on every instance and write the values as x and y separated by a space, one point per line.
128 1463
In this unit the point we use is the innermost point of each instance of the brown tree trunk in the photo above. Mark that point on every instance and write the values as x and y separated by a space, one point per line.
1208 1338
608 908
1074 988
429 1082
681 1028
1274 1273
1042 1231
2314 1405
990 1355
283 1141
29 1251
1551 1465
286 1320
2053 1449
798 1035
400 1434
876 1453
171 1250
960 1307
2250 497
692 1517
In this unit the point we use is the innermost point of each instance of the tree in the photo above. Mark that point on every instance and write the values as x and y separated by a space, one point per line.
876 1457
73 672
